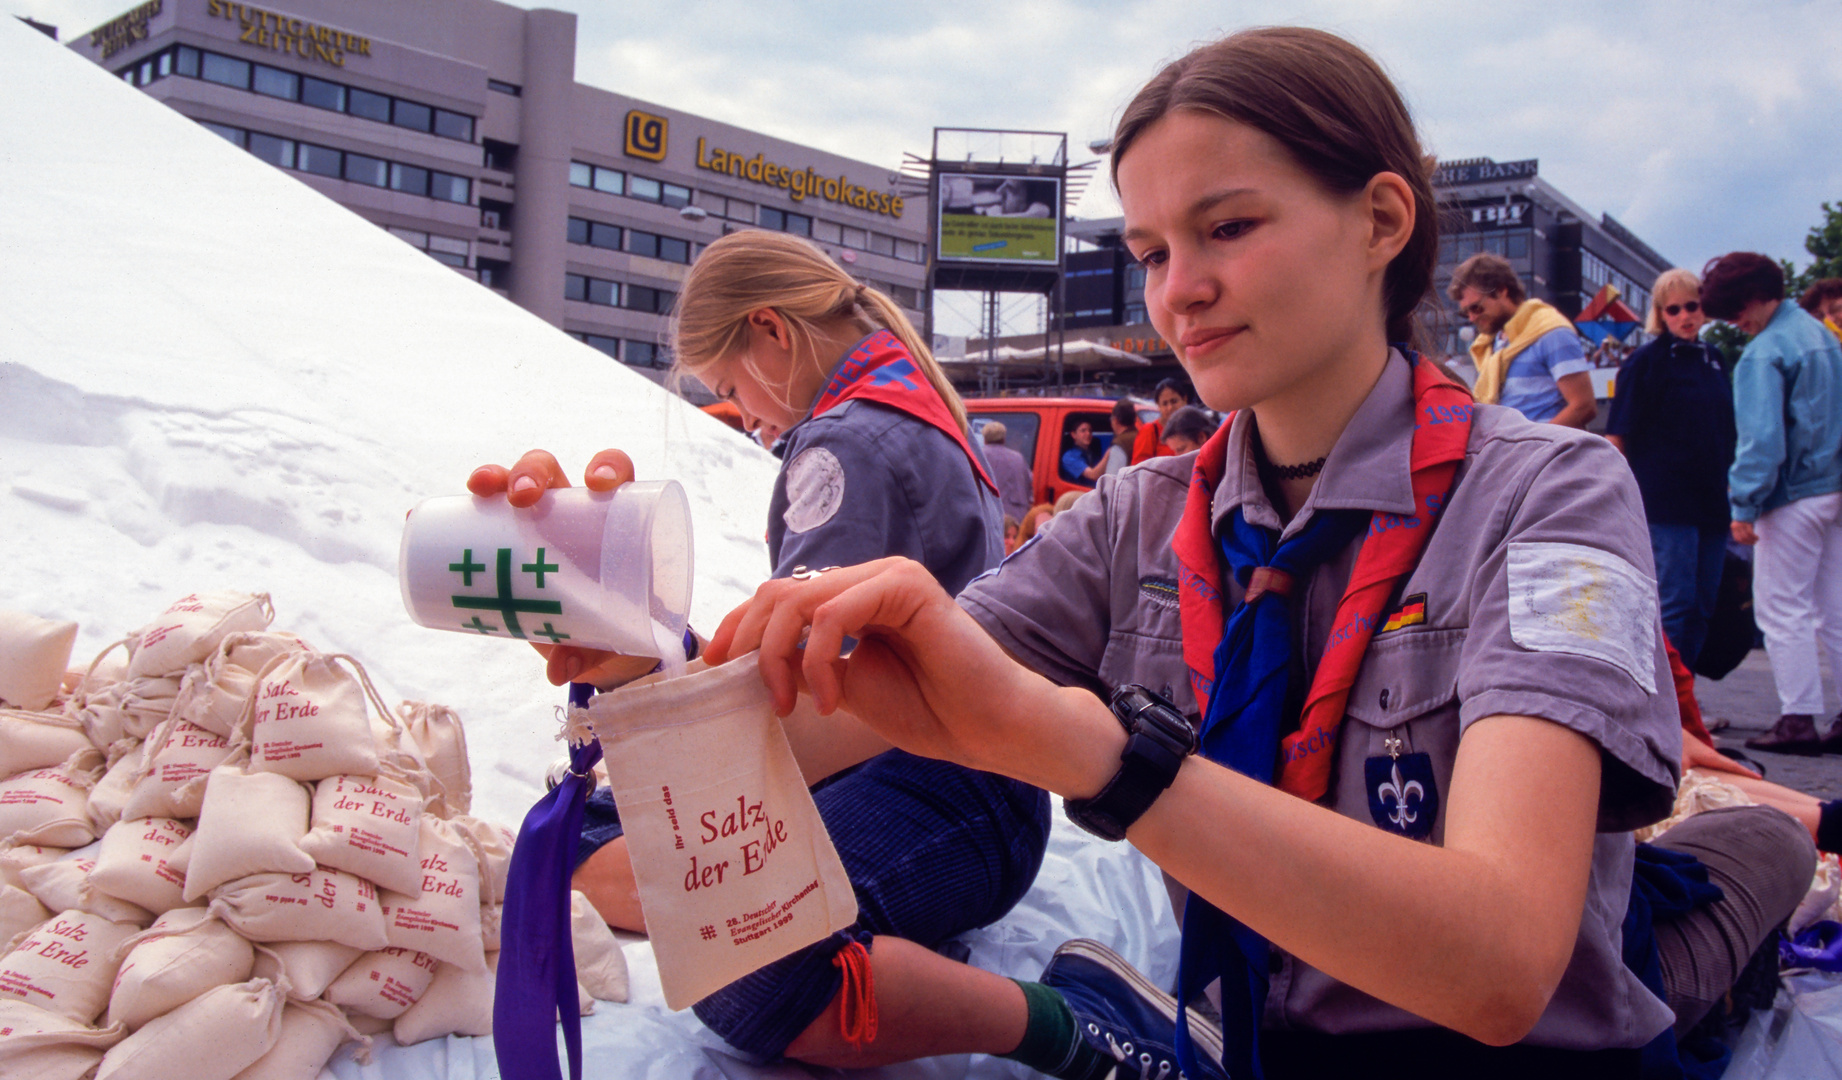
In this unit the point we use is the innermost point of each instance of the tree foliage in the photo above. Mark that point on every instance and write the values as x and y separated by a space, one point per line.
1824 243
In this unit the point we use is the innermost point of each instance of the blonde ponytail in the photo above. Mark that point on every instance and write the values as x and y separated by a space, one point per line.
746 272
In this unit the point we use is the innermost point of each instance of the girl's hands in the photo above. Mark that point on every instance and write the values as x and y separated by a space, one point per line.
523 485
922 673
537 472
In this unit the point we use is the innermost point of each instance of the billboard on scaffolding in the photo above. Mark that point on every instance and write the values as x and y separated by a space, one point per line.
993 219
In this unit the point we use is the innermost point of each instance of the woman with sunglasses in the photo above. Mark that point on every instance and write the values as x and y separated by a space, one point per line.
1672 415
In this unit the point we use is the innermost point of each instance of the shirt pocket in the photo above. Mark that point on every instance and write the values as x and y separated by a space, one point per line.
1403 704
1145 646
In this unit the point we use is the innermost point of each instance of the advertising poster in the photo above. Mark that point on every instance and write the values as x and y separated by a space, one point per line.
999 219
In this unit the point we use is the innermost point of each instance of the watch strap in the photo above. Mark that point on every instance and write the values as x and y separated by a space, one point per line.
1147 767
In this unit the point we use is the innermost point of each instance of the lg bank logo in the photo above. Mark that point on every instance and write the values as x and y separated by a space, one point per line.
646 135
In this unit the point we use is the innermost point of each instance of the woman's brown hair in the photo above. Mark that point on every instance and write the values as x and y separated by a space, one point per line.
1332 107
748 271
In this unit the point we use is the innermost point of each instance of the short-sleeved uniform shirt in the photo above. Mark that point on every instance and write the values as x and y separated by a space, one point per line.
1539 600
1529 386
1673 407
864 481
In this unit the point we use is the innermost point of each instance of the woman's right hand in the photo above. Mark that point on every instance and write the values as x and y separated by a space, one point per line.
922 674
522 485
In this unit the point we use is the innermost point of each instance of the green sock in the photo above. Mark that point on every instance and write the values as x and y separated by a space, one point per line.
1051 1043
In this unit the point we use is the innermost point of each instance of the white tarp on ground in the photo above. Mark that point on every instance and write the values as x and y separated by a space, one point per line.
213 377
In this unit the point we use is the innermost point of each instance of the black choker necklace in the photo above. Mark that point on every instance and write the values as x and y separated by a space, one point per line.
1284 472
1297 472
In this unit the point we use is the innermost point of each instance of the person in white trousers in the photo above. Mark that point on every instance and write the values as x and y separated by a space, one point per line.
1785 486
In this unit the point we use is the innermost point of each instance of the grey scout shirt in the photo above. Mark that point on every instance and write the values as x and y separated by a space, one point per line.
1540 600
864 481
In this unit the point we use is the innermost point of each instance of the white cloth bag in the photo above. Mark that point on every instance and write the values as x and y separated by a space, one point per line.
308 718
64 885
184 954
214 1036
34 740
33 655
67 965
323 905
190 630
384 984
50 806
456 1003
311 1032
437 732
369 826
443 919
134 863
40 1045
306 968
251 823
734 866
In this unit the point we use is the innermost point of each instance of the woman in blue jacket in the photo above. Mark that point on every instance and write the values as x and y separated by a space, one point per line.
1786 485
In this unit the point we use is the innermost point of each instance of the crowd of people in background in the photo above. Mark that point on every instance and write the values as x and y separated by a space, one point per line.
1750 459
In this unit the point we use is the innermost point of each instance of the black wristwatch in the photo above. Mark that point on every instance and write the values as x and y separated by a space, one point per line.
1158 738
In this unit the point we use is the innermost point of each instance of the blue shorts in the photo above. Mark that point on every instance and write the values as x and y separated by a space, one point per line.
932 849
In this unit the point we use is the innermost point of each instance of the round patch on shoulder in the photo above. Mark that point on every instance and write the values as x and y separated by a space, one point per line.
815 489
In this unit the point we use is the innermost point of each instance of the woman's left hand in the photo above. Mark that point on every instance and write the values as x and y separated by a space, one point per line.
923 674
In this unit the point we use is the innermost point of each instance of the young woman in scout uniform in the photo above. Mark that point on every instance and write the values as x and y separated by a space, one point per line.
877 463
1419 636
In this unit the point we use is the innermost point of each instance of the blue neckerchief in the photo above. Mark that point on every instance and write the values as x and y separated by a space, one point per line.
1241 730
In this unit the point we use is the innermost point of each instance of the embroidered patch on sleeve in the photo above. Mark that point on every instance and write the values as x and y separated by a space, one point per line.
815 489
1412 612
1575 599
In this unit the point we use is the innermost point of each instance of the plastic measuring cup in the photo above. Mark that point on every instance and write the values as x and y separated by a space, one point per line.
601 570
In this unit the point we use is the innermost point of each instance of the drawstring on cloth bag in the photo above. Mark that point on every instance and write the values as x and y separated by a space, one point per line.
856 996
536 982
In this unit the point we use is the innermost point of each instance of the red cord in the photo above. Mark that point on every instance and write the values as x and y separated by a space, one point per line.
856 997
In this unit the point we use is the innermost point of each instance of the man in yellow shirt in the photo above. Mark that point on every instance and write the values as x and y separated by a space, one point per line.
1529 357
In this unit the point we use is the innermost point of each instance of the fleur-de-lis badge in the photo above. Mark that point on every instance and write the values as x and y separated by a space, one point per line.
1398 793
1403 793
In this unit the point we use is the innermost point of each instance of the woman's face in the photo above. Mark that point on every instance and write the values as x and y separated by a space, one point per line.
1182 444
1169 401
1685 324
1260 279
1083 434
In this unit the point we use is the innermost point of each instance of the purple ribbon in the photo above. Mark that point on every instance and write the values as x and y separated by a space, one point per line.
536 984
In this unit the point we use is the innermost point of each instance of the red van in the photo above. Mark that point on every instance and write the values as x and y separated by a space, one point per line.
1041 429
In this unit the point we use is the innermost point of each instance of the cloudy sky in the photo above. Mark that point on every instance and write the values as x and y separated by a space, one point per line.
1704 127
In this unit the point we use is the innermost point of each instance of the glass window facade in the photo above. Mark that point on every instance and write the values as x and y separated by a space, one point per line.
358 168
280 83
276 83
226 70
370 171
276 151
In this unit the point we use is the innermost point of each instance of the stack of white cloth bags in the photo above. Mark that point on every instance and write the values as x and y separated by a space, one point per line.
223 857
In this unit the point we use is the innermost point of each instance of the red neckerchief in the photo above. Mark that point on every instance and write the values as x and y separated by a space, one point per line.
1390 550
880 369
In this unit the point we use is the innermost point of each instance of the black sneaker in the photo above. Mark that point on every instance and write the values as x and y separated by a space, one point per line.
1124 1016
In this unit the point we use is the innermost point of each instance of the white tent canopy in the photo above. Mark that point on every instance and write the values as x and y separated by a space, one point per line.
211 376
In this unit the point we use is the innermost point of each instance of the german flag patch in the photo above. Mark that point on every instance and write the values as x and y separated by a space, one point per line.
1412 612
